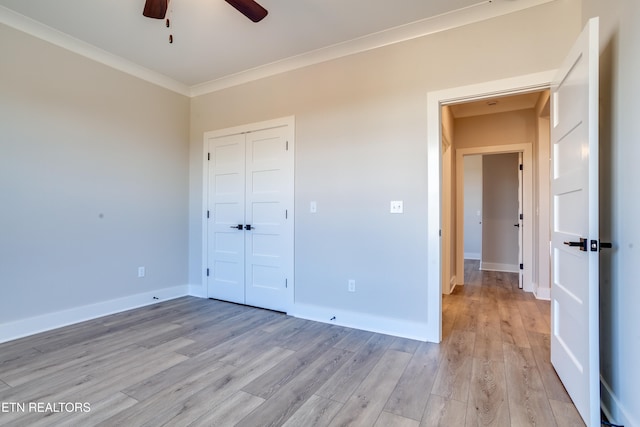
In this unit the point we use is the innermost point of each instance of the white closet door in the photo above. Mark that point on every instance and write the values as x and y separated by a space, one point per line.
226 200
250 217
269 241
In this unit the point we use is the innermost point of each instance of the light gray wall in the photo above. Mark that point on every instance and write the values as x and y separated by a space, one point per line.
472 207
361 142
93 181
620 205
500 211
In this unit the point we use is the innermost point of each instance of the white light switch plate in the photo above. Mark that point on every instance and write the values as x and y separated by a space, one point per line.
396 206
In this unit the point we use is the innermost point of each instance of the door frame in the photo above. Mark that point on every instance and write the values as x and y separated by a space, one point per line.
527 250
435 100
289 122
447 162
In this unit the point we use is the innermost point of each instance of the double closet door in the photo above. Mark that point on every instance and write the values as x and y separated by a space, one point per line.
249 225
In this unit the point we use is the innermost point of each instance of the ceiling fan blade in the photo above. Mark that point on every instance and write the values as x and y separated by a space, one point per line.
155 9
249 8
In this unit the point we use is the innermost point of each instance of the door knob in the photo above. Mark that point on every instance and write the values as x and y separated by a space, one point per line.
583 244
238 227
605 245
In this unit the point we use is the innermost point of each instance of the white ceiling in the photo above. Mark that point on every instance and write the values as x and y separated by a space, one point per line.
213 42
495 105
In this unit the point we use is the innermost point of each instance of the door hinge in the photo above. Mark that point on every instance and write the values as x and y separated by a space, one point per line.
286 283
521 266
286 214
286 146
208 156
521 167
207 214
521 216
207 272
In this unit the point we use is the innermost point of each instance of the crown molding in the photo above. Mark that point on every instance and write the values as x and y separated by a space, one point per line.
481 11
37 29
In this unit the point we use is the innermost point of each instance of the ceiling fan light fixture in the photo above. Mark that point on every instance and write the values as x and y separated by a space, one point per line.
250 9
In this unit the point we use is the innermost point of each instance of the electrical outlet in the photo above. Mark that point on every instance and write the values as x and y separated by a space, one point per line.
396 206
141 272
352 285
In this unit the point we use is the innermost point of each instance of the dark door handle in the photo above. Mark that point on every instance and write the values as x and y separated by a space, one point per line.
239 226
583 244
605 245
248 227
516 225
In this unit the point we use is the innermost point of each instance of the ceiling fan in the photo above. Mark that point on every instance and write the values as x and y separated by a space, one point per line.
158 9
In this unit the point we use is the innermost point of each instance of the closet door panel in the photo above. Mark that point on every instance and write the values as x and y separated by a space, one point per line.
226 201
267 192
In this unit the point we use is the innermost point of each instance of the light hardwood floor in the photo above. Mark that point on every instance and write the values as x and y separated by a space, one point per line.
197 362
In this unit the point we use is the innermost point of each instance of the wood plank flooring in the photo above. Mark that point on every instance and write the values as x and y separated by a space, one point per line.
198 362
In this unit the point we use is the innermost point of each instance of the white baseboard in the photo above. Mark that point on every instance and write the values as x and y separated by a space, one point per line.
197 291
33 325
367 322
472 255
613 408
494 266
452 284
543 293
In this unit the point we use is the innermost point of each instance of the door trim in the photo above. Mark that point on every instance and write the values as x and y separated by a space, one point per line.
289 122
435 100
527 247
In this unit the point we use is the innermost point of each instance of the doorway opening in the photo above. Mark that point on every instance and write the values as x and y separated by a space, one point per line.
515 125
443 151
492 213
501 224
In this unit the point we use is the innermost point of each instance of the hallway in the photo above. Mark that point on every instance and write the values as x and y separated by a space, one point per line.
496 344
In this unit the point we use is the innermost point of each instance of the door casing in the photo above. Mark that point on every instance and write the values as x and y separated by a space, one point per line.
435 101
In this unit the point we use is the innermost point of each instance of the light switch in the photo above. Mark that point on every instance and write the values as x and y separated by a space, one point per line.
396 206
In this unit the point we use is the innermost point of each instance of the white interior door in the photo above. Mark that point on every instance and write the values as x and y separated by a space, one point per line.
226 212
574 240
250 217
269 248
